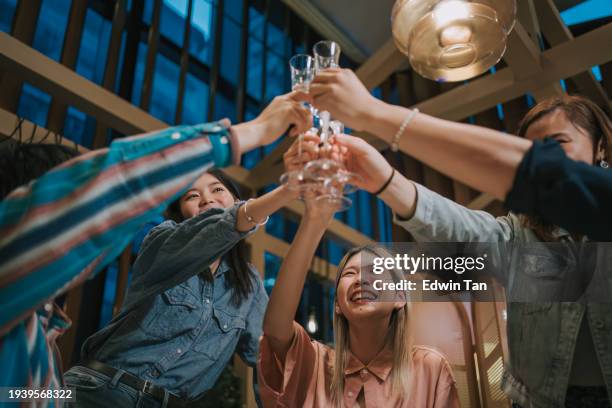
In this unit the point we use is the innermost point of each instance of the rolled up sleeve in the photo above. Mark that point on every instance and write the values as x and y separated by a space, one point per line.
287 385
438 219
546 178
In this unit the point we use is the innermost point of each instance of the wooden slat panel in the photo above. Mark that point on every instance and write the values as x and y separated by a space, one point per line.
72 42
556 32
112 61
152 44
178 116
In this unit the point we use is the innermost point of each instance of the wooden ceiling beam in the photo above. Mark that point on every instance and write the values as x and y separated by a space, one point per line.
28 64
556 32
563 61
31 132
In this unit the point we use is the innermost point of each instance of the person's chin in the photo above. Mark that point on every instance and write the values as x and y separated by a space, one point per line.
361 309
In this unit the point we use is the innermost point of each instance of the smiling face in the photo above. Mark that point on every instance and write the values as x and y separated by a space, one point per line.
356 299
575 141
207 192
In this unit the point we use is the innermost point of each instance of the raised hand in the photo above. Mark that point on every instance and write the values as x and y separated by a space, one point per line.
284 112
363 159
292 158
340 92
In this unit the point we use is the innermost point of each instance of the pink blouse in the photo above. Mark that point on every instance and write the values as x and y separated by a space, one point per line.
305 378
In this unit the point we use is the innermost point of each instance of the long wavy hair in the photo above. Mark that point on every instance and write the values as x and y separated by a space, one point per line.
240 277
582 113
399 337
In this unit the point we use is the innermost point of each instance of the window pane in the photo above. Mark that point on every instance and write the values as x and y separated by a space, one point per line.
256 23
275 73
201 44
165 82
276 39
224 108
51 26
299 49
94 47
254 67
273 264
147 14
75 125
195 106
139 73
6 17
230 51
233 9
250 159
120 66
34 105
172 23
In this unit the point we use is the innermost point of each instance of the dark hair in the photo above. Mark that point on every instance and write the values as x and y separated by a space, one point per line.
582 113
240 277
21 163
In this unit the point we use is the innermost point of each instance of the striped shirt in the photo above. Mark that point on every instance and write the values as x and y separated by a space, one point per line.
70 223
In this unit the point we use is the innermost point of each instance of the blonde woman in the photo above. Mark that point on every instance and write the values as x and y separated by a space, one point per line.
373 364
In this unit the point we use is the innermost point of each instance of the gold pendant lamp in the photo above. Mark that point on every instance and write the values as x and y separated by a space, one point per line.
452 40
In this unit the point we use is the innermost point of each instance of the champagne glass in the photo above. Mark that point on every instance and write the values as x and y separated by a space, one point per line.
335 179
302 68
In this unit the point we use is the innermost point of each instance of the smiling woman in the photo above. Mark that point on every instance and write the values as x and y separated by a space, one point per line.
374 362
192 303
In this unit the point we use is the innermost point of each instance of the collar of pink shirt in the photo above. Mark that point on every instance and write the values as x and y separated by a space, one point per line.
372 377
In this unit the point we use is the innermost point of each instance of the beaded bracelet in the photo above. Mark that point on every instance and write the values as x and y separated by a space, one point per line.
400 131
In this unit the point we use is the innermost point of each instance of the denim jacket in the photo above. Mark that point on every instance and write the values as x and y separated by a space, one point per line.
541 336
176 329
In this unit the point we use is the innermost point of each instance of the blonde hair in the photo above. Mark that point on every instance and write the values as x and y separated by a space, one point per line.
399 336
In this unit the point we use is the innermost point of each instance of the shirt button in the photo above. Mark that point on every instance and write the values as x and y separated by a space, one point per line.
179 351
225 326
48 307
176 136
207 300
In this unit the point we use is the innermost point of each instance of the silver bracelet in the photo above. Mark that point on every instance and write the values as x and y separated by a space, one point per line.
400 131
249 218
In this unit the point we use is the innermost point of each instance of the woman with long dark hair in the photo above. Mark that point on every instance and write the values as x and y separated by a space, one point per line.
192 302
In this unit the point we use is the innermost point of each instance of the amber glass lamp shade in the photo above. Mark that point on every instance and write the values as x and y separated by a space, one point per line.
452 40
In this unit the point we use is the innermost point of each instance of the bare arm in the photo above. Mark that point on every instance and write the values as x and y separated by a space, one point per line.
261 207
482 158
278 320
283 113
479 157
